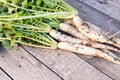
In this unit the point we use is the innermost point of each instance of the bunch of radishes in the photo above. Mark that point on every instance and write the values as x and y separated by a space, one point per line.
82 38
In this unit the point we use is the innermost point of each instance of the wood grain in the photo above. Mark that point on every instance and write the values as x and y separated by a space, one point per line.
96 17
108 68
109 7
22 66
67 65
3 76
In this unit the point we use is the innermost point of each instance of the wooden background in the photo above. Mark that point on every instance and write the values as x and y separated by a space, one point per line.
27 63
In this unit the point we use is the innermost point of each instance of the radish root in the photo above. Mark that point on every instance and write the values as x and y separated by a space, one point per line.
71 30
85 50
89 32
110 27
114 35
84 39
66 38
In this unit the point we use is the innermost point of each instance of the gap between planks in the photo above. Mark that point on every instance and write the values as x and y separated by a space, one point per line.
63 69
90 14
109 7
22 66
94 16
4 75
66 64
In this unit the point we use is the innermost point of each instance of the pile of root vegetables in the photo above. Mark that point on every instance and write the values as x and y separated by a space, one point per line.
53 24
87 39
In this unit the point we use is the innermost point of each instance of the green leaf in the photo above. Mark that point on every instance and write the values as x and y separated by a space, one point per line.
6 44
38 2
1 34
15 2
1 27
10 9
50 3
24 3
15 15
9 0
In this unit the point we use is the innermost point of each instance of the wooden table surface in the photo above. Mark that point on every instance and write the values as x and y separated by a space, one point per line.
28 63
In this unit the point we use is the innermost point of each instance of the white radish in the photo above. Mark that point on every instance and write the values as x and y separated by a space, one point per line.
71 30
81 49
114 39
104 47
62 37
111 54
65 38
90 33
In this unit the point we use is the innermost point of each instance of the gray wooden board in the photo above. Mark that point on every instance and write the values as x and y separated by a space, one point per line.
108 68
67 65
110 7
96 17
3 76
22 66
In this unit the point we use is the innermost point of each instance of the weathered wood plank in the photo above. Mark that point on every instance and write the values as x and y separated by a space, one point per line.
110 7
107 67
3 76
22 66
67 65
91 15
96 17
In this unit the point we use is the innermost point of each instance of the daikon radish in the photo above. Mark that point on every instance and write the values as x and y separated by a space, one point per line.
114 39
90 33
85 50
71 30
62 37
65 38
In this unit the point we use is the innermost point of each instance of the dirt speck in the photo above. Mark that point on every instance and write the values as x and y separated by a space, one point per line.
22 57
19 66
102 1
2 56
59 54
